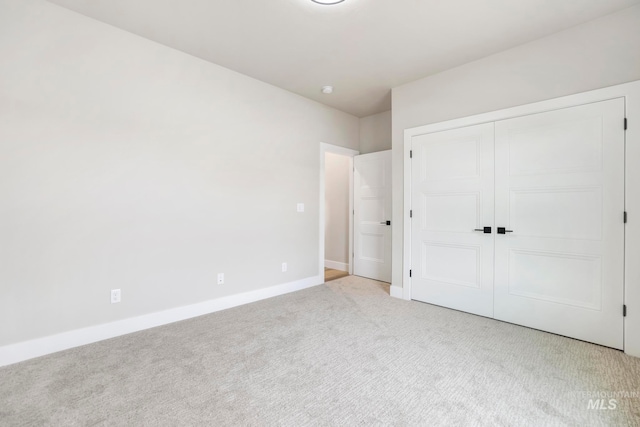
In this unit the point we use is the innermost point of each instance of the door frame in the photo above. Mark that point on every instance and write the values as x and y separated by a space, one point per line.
347 152
631 94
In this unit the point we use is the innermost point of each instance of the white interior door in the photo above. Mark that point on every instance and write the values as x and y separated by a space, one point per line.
372 216
452 202
560 197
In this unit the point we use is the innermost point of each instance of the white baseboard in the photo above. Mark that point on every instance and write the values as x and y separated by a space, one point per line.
396 292
342 266
14 353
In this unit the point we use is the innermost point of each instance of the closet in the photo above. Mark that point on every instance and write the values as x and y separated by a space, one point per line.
521 220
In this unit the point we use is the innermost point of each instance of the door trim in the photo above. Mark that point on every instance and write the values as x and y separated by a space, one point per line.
347 152
631 94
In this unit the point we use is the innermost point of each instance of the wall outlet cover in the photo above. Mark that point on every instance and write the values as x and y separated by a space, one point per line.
116 296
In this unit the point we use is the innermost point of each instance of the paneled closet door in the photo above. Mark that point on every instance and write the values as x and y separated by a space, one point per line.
560 198
452 202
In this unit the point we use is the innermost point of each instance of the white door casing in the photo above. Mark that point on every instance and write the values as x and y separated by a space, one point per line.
452 194
372 210
560 193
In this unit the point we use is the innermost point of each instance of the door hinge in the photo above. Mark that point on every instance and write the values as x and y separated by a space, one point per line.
625 123
625 217
411 154
624 310
409 273
411 214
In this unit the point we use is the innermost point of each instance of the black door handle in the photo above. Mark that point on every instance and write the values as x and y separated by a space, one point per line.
502 230
385 222
485 230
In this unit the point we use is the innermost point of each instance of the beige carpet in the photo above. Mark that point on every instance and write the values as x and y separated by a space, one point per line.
344 353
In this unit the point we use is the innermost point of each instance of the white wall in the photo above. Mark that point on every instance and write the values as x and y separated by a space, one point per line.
336 242
375 132
126 164
597 54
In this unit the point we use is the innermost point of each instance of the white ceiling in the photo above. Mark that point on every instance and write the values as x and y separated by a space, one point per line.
361 47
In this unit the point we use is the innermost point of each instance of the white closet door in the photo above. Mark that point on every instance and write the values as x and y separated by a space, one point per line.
372 218
560 194
452 197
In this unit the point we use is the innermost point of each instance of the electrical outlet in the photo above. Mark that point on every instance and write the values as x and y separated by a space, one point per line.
115 296
300 207
284 267
220 278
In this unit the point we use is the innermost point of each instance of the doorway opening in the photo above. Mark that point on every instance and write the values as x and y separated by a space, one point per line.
336 211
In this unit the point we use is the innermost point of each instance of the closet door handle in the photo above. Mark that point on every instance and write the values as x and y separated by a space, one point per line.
485 230
502 230
385 222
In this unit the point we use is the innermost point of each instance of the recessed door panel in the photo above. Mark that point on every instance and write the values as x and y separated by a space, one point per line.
456 265
562 213
561 278
453 157
559 145
454 212
372 247
372 209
